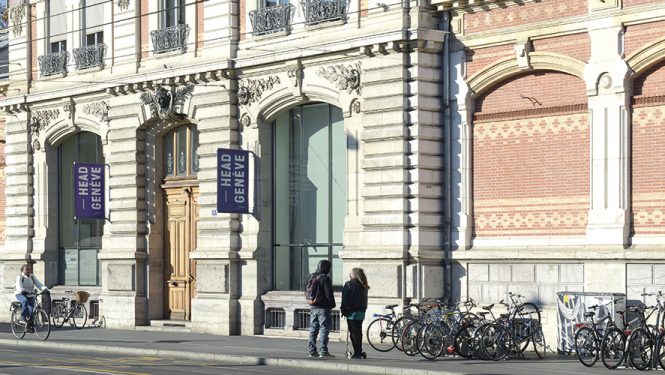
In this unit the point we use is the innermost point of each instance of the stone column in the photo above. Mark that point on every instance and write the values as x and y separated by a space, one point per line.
609 99
216 308
123 254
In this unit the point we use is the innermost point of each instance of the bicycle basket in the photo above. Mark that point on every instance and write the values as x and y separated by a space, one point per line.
81 296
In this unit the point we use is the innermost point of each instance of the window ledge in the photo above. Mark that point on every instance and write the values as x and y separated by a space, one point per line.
53 77
277 34
325 25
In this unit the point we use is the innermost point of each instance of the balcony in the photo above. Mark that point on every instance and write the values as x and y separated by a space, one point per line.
169 39
317 11
272 19
53 63
90 56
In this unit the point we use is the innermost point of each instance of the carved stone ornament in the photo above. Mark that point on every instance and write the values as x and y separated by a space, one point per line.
605 81
16 15
98 109
345 78
41 119
355 106
245 120
251 90
167 101
123 4
69 109
295 74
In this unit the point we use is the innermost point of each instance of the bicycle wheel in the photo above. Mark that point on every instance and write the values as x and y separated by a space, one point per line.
640 349
18 329
41 324
430 341
494 342
80 316
58 314
526 316
464 343
613 348
379 334
585 346
409 338
538 339
660 350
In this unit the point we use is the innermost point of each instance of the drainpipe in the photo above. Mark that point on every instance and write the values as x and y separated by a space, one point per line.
406 32
447 163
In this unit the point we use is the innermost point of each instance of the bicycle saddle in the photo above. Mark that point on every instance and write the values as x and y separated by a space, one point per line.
488 307
483 313
390 307
589 314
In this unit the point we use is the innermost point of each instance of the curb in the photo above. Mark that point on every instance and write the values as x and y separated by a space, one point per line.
228 359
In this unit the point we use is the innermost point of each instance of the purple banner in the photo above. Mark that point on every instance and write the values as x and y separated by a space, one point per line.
233 181
89 191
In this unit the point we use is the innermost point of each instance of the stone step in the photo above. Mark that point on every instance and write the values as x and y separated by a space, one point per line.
167 326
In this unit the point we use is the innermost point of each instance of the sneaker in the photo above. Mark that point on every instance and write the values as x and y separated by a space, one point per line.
313 355
325 355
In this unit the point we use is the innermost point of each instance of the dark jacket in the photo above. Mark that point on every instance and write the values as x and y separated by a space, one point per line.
354 297
327 300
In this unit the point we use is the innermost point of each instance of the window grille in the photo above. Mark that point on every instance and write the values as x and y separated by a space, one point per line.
275 318
94 310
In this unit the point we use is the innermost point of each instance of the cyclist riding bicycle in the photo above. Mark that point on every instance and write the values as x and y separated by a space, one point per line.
26 284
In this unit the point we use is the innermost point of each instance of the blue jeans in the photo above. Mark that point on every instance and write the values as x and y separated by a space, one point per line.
319 319
27 305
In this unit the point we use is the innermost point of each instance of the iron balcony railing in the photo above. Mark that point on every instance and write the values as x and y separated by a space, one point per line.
272 19
317 11
90 56
169 39
53 63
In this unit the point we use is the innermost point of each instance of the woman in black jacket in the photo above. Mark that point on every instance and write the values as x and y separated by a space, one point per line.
354 305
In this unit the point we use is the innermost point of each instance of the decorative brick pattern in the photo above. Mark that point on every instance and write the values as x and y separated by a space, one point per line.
531 176
639 35
34 71
648 174
364 5
145 29
651 82
243 18
632 3
576 45
200 32
515 15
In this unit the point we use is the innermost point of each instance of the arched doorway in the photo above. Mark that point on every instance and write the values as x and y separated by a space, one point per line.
309 194
181 215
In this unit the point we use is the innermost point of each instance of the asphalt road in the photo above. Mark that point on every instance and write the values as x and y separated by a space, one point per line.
40 361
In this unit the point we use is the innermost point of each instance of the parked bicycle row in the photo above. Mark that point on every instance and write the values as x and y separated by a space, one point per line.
637 342
434 329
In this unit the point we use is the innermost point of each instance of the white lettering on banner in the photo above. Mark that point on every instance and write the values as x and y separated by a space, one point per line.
225 172
239 182
89 183
82 183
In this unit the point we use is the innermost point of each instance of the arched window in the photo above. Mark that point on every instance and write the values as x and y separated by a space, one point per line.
180 157
79 239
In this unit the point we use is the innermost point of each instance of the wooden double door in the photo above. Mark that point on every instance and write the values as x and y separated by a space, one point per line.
182 216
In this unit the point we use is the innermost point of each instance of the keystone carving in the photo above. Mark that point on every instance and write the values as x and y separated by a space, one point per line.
345 78
98 109
123 4
16 14
166 102
251 90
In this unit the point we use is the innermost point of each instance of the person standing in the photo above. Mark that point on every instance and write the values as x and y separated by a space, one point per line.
354 305
319 287
26 284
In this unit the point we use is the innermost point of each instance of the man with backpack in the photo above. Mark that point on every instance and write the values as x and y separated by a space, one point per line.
319 294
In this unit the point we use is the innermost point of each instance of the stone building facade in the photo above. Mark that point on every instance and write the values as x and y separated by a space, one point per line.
557 135
340 104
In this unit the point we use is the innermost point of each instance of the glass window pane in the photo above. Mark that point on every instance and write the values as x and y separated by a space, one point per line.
339 203
295 175
68 152
169 159
282 201
315 184
338 277
182 151
70 266
88 267
194 155
282 268
311 258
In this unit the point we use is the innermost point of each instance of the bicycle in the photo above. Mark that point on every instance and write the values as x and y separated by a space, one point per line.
74 311
380 330
613 348
437 336
38 323
643 342
589 334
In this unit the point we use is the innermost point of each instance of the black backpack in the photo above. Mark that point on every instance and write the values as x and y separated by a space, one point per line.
312 287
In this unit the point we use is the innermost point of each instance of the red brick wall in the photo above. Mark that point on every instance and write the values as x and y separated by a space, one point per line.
243 18
33 44
630 3
364 5
575 45
531 164
200 34
145 29
648 153
515 15
484 57
639 35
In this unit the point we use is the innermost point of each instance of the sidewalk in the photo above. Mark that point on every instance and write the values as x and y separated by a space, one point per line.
281 352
